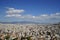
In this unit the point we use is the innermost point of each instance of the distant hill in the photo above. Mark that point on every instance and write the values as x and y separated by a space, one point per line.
27 22
57 23
22 22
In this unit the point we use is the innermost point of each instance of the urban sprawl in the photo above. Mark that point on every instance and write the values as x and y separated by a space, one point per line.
30 31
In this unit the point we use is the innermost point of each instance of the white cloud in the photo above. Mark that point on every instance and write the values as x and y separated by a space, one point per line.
34 17
27 16
56 14
13 10
44 15
13 15
47 17
41 17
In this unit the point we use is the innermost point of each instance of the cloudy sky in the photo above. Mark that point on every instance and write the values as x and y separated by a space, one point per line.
43 11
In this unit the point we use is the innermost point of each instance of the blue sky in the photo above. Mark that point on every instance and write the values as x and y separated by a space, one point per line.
30 10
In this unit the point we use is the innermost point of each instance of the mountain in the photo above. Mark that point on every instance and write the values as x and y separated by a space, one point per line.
22 22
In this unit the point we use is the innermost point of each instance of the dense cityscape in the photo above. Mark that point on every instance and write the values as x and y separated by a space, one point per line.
30 31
